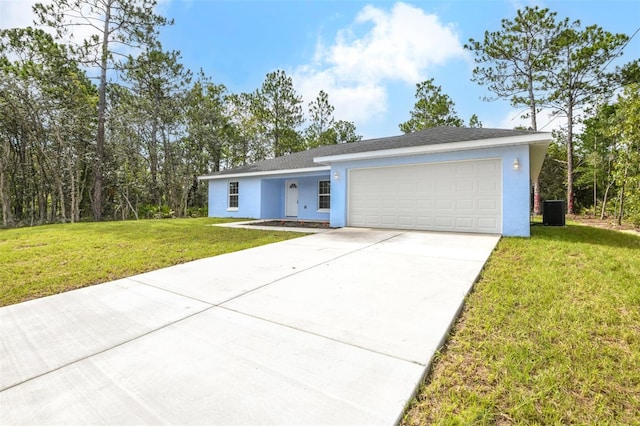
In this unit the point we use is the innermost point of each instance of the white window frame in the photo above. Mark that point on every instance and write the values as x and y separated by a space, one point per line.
320 195
231 195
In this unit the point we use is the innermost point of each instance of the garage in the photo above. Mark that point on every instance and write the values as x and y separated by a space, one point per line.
459 196
455 179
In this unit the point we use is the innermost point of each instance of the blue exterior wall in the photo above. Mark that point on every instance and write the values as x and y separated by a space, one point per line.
272 199
308 198
264 197
249 194
516 193
515 184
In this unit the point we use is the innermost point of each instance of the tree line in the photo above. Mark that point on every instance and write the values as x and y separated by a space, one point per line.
130 142
537 61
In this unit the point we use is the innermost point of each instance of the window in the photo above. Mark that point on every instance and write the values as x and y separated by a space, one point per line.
324 195
233 195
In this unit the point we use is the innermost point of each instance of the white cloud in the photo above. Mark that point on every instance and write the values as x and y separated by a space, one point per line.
546 121
19 13
16 13
381 46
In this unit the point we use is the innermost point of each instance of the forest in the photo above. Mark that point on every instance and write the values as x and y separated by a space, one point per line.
115 127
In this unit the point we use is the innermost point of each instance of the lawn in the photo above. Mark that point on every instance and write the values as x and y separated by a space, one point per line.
45 260
549 335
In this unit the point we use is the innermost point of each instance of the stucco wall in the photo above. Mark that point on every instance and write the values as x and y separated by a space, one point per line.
308 198
272 203
515 184
263 198
249 195
516 190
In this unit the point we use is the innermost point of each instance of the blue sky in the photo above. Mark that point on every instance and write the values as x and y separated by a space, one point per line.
368 56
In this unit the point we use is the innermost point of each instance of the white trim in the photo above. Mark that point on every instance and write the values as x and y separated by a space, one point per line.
319 210
232 209
229 195
441 147
267 173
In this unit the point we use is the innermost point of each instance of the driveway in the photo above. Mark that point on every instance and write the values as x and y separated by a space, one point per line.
332 328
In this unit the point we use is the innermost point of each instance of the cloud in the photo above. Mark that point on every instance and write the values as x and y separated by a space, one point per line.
379 47
19 13
16 13
546 121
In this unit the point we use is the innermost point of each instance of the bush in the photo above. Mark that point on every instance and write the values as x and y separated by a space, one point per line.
149 211
197 212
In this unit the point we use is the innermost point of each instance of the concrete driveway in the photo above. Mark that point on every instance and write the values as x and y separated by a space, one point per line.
333 328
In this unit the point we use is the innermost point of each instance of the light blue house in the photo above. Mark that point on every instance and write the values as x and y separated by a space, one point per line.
441 179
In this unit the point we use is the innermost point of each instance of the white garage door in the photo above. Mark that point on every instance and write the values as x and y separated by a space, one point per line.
456 196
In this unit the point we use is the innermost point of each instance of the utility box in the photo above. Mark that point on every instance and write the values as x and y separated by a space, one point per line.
553 212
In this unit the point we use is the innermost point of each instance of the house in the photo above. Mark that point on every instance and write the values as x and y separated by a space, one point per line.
439 179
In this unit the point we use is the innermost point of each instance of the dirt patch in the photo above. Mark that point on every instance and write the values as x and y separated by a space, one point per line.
607 223
294 224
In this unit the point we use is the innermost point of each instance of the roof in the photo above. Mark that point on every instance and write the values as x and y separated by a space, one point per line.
427 137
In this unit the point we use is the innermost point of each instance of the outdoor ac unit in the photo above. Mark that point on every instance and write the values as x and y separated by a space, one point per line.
553 212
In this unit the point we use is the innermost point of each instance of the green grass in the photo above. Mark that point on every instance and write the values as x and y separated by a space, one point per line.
550 335
45 260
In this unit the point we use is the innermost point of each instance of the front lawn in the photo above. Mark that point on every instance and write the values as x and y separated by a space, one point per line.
50 259
550 335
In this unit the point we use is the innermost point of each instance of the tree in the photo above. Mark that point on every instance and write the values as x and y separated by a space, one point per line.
514 61
278 109
626 130
46 105
474 121
207 124
321 115
628 73
115 23
553 168
247 141
324 130
579 79
158 85
208 141
432 108
345 132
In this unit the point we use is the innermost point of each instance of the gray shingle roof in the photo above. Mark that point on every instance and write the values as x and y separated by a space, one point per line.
432 136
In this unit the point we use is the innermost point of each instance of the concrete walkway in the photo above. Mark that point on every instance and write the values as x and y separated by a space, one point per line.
332 328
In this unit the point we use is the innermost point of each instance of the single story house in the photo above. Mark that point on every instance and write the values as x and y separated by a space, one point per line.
440 179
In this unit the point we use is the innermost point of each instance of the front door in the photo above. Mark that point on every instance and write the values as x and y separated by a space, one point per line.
291 199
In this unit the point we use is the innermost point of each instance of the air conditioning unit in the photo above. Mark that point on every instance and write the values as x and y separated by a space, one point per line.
553 212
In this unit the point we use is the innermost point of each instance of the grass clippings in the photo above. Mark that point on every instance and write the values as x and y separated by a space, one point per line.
550 335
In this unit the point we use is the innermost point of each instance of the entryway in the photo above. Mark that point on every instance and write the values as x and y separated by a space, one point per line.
291 198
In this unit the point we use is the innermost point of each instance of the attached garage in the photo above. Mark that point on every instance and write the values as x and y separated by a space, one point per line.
458 196
450 179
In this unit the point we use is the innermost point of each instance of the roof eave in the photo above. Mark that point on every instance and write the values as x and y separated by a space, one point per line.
530 139
266 173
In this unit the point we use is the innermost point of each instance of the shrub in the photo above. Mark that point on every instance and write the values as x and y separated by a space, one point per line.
150 211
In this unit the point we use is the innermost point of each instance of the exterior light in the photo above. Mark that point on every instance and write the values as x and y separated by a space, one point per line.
336 176
516 165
